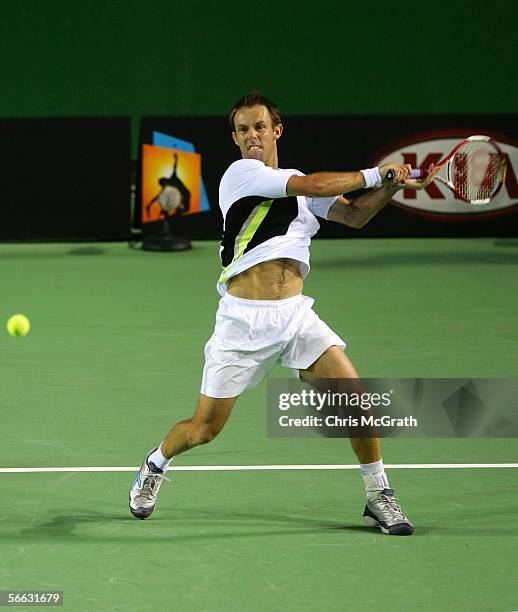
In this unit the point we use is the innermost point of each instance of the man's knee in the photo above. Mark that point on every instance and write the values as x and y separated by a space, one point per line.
209 419
203 433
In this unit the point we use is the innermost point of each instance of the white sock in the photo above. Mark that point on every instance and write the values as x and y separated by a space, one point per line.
374 476
159 460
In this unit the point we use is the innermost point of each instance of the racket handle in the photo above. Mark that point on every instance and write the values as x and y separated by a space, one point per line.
414 174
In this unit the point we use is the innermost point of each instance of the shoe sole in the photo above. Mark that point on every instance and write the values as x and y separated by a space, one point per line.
401 529
141 513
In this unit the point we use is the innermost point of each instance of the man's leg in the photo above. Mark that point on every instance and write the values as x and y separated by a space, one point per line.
209 419
334 363
381 509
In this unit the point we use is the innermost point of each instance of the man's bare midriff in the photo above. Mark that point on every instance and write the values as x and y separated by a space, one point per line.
277 279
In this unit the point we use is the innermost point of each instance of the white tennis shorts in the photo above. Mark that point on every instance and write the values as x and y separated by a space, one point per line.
251 336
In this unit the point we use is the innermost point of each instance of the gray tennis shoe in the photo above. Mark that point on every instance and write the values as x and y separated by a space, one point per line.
144 490
382 511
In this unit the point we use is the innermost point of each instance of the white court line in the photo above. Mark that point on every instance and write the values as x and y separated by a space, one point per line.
239 468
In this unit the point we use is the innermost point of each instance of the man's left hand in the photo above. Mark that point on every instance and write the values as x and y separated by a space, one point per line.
419 184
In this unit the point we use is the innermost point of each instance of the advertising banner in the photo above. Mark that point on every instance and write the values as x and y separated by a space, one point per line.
170 185
313 143
438 202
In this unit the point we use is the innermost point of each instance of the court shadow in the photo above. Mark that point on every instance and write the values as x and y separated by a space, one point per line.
416 259
86 250
30 255
506 242
459 532
39 254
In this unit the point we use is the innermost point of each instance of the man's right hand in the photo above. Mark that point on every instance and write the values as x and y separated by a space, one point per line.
401 172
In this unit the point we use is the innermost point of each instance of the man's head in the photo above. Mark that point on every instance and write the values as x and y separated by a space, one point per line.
256 126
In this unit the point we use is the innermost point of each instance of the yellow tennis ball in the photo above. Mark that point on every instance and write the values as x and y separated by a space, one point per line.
18 325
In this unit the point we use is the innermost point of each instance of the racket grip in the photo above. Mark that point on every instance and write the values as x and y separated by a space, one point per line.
414 174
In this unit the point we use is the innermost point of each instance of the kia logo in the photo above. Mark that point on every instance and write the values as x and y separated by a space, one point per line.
437 200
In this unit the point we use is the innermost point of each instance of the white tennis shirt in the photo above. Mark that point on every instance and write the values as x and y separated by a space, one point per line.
260 222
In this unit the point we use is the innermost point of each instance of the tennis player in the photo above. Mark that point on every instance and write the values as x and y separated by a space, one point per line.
263 317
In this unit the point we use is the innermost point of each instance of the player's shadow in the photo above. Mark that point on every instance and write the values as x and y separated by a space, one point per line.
192 524
66 525
174 525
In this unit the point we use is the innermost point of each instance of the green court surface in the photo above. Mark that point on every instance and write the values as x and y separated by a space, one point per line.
114 358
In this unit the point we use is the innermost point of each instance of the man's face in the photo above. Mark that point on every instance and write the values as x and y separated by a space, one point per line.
255 136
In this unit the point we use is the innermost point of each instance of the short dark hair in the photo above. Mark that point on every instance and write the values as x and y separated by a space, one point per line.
256 98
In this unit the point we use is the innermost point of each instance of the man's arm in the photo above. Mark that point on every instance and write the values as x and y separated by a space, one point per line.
360 211
324 184
328 184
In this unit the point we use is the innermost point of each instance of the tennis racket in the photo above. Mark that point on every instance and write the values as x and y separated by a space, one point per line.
475 170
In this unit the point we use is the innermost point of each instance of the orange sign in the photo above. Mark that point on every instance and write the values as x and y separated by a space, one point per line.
171 183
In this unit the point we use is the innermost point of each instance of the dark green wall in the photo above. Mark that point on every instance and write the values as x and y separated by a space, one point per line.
133 58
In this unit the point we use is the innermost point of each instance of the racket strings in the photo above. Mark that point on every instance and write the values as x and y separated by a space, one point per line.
477 170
